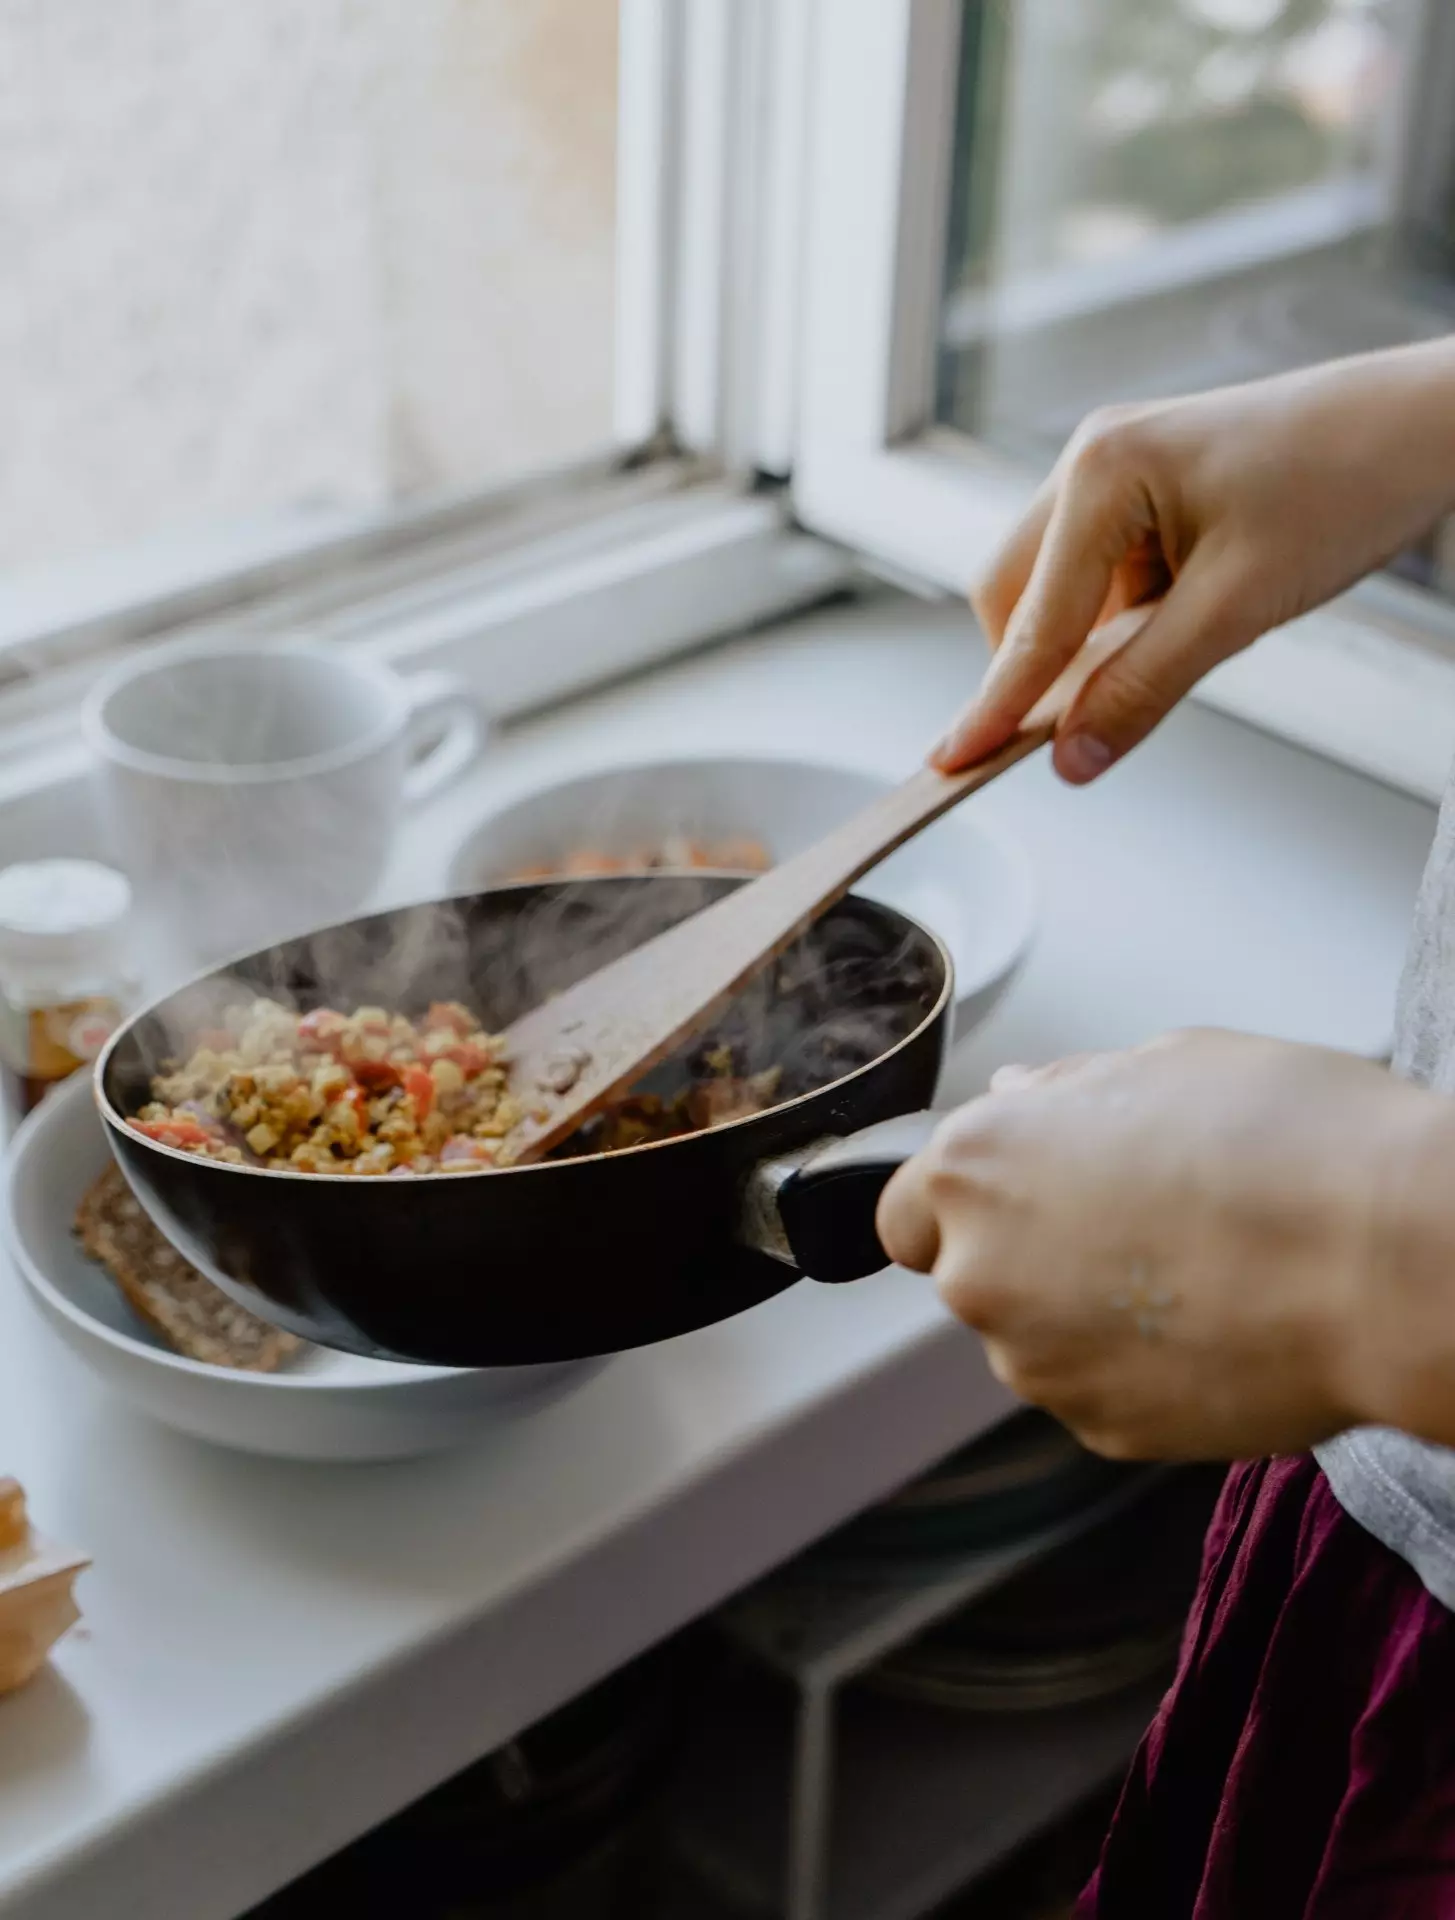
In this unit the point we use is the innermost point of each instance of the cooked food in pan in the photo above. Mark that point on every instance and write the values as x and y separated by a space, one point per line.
326 1092
372 1092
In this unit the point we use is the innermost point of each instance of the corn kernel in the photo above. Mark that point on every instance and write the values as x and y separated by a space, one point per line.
448 1077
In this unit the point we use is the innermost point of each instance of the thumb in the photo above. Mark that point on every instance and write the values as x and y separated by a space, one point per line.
1201 622
906 1220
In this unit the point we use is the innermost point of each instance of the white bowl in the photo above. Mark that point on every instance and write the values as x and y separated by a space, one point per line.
326 1406
971 885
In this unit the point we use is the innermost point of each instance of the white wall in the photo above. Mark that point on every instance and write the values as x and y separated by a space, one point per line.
261 252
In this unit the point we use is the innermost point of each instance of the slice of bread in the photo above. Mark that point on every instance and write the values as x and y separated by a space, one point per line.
194 1317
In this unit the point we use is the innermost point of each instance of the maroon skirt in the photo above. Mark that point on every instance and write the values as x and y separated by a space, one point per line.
1302 1766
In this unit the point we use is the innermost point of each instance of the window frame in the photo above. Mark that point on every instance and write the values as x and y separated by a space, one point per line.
1369 681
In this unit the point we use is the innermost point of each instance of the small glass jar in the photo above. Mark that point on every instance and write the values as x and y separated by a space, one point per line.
65 980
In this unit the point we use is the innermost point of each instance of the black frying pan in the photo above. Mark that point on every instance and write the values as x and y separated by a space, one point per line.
578 1256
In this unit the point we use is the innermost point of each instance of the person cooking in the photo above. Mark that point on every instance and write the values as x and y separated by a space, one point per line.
1214 1246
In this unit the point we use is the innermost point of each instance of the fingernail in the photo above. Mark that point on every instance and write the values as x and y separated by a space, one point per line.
1081 757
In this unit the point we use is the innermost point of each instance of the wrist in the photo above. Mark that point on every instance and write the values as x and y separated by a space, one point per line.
1395 1333
1402 431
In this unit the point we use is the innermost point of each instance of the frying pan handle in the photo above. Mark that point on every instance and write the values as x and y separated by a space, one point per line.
816 1210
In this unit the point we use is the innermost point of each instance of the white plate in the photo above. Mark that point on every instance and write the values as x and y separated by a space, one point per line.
326 1406
972 886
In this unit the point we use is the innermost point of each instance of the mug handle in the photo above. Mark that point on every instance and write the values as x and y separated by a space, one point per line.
443 708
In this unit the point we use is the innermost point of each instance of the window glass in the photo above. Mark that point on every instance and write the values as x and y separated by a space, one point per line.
263 255
1150 196
1121 120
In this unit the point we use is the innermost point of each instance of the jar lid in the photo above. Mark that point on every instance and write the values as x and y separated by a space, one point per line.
60 912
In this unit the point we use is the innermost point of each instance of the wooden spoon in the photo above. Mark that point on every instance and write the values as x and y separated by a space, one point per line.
598 1038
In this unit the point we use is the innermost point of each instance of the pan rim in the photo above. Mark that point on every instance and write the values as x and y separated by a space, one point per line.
118 1123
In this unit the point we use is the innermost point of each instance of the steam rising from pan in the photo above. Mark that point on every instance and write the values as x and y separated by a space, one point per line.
838 999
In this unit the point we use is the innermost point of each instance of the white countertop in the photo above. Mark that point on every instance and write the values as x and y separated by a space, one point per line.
274 1657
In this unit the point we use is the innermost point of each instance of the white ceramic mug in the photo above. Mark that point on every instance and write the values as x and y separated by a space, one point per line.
254 793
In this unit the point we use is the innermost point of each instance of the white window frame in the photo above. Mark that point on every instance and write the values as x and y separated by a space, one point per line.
1369 681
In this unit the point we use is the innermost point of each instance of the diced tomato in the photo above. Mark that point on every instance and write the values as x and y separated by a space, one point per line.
322 1030
377 1076
175 1133
447 1013
469 1058
420 1088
